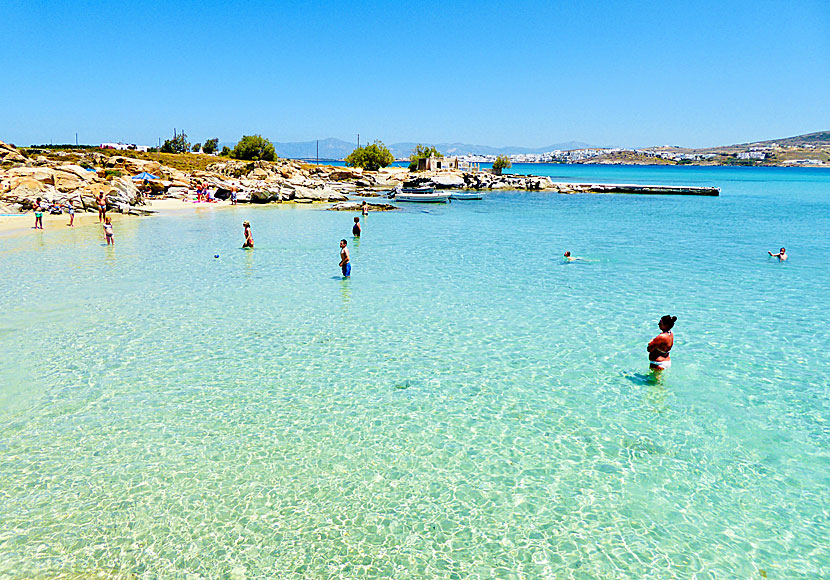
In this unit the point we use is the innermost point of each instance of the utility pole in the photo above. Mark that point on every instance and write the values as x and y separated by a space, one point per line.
76 139
358 140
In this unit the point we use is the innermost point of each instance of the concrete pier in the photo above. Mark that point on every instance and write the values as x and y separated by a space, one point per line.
645 189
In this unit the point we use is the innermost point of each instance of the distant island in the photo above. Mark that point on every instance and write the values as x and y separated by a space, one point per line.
809 150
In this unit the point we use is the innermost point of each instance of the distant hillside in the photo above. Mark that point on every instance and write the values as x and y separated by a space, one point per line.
404 149
821 138
332 148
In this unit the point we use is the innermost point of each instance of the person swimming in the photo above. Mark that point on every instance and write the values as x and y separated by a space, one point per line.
781 255
660 346
249 238
569 258
356 229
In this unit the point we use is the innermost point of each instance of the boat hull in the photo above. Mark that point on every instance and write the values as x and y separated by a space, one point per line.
465 195
423 197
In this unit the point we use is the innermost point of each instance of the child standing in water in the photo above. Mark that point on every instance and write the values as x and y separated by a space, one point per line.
71 211
38 215
108 231
249 238
356 227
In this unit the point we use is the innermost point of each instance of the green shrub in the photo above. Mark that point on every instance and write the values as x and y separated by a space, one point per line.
254 148
371 157
210 146
501 162
177 144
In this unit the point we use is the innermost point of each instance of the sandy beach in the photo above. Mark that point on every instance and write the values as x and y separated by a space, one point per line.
16 225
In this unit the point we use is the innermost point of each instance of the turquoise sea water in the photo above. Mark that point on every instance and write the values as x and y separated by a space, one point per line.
465 406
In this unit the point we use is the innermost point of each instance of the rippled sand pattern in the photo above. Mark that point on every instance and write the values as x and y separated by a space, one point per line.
466 406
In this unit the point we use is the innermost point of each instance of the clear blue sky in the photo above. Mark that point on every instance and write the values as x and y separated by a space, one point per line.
496 73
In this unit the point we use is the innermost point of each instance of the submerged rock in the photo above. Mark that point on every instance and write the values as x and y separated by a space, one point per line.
355 206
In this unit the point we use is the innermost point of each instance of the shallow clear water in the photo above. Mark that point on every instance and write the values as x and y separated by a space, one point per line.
466 406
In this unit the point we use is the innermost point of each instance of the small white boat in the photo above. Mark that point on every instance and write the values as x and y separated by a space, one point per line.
431 197
464 195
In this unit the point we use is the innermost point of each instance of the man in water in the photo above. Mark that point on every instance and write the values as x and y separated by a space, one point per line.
365 208
345 266
569 258
781 255
356 227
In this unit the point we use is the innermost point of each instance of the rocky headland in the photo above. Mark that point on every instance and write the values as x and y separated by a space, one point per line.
76 178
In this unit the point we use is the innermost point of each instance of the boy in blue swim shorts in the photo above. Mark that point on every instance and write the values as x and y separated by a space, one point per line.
345 266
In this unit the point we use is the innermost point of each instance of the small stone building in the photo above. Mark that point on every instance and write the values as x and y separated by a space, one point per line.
433 163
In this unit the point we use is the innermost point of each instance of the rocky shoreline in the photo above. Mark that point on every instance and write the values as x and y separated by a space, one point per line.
24 179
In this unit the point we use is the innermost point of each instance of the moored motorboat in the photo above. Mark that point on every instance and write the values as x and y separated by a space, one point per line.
465 195
417 190
431 197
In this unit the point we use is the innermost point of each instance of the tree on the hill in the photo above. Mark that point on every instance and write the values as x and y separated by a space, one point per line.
371 157
210 146
196 147
178 144
422 152
501 162
254 148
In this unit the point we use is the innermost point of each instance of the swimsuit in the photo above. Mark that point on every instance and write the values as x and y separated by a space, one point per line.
356 230
347 269
663 364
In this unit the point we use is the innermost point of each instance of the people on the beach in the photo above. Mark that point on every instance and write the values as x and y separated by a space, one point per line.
108 231
356 227
781 255
38 214
364 209
233 195
249 238
71 211
345 265
661 345
101 200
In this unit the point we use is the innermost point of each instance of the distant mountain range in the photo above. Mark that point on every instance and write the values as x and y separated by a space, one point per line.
332 148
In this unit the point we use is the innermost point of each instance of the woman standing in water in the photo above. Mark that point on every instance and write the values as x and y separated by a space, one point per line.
660 345
249 238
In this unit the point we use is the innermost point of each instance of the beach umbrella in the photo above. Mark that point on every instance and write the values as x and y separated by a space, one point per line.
144 175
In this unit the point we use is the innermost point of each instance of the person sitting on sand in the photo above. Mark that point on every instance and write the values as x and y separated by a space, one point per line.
781 255
38 214
249 238
108 231
356 227
660 346
345 265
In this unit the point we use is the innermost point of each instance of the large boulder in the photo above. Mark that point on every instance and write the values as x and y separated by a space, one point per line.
448 181
9 154
343 173
133 166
